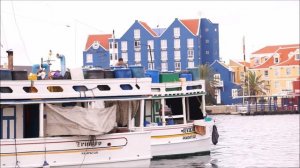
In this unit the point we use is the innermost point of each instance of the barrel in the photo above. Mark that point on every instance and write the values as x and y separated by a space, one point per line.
94 74
195 73
19 75
137 71
123 73
154 74
109 74
5 74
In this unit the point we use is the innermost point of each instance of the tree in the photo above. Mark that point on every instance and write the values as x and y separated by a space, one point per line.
207 74
256 85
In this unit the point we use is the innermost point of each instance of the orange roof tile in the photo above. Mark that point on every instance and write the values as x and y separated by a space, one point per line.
192 25
101 38
246 63
283 56
291 61
273 49
145 25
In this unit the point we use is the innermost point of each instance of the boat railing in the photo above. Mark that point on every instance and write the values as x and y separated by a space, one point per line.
178 88
44 89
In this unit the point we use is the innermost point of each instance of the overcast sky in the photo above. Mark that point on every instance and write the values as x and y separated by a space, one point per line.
32 28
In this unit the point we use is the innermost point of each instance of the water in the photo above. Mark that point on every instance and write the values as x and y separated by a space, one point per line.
248 141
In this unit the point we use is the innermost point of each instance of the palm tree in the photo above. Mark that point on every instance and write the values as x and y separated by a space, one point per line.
256 84
207 74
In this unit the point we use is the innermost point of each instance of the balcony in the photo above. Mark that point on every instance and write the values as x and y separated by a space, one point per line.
218 83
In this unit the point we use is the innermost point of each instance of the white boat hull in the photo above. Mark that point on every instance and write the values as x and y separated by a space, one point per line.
130 149
179 140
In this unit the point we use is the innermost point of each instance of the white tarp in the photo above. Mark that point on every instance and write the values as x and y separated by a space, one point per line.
79 121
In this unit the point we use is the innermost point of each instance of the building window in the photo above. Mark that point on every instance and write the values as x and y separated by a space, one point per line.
297 57
177 55
164 55
137 44
89 58
125 57
206 41
266 73
256 61
276 84
191 64
288 85
137 56
114 56
176 43
151 44
164 66
191 54
176 32
151 65
163 44
190 43
149 56
234 92
124 45
111 44
217 77
206 52
137 33
276 60
276 71
177 66
242 75
288 71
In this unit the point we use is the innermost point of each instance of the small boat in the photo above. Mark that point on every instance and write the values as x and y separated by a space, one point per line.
73 123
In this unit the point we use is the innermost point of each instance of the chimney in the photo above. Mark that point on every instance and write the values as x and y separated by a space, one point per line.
10 59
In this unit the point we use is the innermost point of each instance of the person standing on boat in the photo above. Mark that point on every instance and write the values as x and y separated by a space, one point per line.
41 74
121 63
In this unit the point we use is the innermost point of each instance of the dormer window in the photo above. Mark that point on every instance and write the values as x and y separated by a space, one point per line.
297 57
276 59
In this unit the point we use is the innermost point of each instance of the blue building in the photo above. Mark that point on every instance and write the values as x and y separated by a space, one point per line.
96 52
185 43
225 86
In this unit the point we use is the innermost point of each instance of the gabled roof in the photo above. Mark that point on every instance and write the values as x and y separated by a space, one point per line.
290 61
221 63
145 25
273 49
247 64
101 38
191 24
283 56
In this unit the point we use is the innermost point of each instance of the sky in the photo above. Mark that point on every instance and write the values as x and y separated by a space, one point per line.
32 28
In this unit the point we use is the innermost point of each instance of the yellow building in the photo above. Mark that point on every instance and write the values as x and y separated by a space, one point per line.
238 68
278 69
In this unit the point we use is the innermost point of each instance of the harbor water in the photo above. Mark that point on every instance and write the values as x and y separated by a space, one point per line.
248 141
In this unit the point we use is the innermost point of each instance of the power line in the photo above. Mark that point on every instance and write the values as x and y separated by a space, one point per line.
13 9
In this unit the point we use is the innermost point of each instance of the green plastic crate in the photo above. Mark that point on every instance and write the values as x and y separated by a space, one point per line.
168 77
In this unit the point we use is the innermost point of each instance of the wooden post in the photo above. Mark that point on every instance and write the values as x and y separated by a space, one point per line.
10 58
142 104
184 110
41 126
163 112
129 115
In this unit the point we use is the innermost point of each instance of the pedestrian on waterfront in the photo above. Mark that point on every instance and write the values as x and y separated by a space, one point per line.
121 63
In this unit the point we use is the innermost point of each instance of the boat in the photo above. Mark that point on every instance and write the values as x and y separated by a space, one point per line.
72 123
176 117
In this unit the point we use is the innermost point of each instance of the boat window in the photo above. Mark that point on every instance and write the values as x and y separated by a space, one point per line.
30 89
194 104
155 89
173 89
5 90
196 87
103 87
126 87
55 89
79 88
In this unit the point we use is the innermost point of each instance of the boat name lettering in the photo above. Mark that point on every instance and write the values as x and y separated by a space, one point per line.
88 143
186 130
189 137
89 153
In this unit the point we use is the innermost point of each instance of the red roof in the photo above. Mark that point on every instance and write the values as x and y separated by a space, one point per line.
283 56
101 38
291 61
246 63
192 25
273 49
145 25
